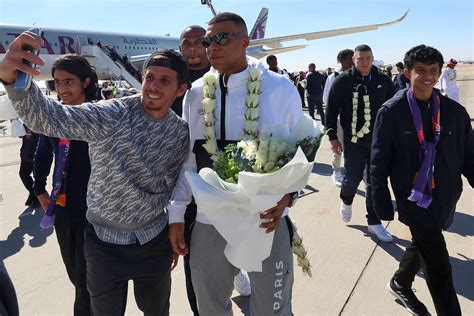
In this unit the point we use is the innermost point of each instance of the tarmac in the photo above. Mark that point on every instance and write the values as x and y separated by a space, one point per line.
350 268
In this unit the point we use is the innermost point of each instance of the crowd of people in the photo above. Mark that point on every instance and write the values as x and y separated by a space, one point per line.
124 210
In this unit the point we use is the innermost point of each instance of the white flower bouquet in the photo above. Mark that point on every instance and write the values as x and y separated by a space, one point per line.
249 178
266 154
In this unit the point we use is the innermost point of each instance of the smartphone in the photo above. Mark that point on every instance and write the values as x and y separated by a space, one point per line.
23 80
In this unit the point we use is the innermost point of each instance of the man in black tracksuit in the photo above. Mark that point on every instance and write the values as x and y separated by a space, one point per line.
366 80
396 154
314 92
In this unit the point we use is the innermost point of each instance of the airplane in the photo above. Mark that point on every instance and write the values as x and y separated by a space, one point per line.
58 42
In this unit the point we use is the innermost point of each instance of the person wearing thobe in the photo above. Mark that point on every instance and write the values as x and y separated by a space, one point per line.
447 81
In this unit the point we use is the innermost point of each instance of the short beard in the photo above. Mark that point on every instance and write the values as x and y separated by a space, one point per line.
195 66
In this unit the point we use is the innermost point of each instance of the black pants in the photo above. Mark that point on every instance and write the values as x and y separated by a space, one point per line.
110 267
301 93
70 235
356 159
189 220
26 168
315 101
428 250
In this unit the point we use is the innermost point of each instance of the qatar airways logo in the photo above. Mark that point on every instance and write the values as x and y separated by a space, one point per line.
63 45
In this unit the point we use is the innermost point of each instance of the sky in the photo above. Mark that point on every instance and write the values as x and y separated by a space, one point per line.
446 25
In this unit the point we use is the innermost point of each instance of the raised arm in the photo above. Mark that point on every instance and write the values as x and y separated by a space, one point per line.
45 115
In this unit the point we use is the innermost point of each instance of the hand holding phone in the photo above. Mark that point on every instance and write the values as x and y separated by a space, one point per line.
23 80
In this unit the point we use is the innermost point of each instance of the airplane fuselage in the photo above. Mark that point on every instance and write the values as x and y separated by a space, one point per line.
61 42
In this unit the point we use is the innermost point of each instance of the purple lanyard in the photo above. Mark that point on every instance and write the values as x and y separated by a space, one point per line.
424 182
59 178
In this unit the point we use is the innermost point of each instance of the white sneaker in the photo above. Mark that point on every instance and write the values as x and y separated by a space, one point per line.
242 284
346 212
337 178
380 232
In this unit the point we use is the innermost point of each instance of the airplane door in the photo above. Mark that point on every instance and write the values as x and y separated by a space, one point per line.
82 41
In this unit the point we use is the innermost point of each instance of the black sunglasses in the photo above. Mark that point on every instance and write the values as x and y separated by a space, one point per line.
221 38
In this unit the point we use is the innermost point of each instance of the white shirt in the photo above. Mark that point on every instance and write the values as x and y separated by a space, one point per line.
280 104
328 85
447 84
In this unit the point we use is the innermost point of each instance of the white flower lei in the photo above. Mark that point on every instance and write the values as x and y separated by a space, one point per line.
365 128
251 114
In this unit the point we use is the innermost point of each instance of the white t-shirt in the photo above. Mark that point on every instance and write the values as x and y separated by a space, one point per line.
328 85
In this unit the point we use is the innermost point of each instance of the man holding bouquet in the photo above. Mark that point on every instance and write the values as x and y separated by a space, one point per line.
228 118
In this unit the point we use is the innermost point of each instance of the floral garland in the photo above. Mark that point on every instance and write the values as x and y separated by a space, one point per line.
300 251
209 105
355 104
251 114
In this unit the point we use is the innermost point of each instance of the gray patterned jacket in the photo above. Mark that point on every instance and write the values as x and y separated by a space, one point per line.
135 159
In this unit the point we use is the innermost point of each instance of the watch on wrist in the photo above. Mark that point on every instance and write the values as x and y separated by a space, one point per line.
293 199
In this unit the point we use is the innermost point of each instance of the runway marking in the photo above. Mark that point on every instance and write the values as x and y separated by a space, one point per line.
11 163
362 272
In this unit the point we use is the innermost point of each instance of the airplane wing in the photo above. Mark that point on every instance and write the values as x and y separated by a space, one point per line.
260 52
138 60
276 42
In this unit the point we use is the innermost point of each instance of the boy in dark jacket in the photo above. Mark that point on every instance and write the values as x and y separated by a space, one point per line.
75 82
423 141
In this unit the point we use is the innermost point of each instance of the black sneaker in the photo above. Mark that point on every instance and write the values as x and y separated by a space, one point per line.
408 299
